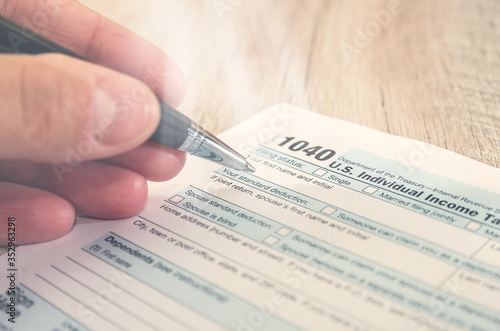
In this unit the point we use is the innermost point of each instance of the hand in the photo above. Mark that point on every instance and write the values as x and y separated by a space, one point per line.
73 133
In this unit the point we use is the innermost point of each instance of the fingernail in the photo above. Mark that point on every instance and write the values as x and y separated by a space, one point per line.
123 114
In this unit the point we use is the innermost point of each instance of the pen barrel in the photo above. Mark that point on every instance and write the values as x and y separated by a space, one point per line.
179 132
174 128
17 39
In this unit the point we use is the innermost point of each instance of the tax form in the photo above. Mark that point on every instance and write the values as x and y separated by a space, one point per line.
340 228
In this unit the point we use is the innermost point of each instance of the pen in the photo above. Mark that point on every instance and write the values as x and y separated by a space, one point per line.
175 130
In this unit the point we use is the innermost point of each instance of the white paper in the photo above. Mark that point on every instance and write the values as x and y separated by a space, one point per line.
340 228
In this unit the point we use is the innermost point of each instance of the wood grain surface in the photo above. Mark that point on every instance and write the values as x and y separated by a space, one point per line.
427 70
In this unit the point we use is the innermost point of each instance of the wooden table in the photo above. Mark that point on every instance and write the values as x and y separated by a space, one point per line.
427 70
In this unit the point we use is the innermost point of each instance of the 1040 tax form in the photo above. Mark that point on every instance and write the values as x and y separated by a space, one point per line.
340 228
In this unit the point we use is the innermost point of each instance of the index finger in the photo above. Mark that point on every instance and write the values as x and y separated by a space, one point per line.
100 40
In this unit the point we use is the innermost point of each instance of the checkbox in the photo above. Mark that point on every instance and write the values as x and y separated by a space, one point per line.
319 172
284 232
176 199
271 240
328 210
473 226
370 190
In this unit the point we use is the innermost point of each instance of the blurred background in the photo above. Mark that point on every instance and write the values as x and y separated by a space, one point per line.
426 70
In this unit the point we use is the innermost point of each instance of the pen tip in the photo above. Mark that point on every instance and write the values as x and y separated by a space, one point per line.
249 168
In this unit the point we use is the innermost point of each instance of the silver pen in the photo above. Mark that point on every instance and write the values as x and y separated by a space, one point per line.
175 130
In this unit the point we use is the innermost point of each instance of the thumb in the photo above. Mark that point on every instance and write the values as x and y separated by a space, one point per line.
56 108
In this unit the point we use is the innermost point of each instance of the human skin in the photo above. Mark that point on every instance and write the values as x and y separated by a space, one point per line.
96 114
